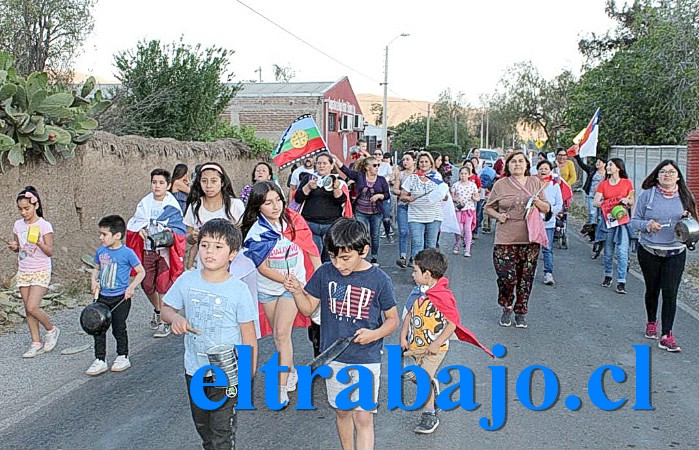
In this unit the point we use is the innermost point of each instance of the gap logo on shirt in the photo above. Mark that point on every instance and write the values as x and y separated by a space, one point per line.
349 302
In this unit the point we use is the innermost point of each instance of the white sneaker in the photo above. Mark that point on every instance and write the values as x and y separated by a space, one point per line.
155 321
97 368
51 339
283 396
162 331
33 351
121 363
548 279
292 381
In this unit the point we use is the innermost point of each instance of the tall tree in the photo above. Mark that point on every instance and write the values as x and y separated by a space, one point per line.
179 86
648 89
45 35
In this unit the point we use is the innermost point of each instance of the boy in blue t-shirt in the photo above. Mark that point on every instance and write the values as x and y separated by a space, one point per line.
111 279
352 294
222 308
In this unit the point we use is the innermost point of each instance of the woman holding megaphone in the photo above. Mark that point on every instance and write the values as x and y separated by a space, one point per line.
615 195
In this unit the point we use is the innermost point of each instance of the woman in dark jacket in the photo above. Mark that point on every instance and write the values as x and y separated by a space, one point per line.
372 190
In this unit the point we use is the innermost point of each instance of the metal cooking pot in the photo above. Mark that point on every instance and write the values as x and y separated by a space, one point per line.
687 231
96 318
162 239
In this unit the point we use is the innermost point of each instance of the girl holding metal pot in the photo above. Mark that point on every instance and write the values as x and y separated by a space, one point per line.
664 203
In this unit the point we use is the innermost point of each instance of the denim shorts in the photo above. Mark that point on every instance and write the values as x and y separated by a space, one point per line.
266 298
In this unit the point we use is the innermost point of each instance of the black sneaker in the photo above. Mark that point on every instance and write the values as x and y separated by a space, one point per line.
506 317
401 262
428 423
520 321
621 288
410 262
607 282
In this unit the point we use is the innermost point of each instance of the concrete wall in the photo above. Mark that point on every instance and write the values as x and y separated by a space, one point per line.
109 175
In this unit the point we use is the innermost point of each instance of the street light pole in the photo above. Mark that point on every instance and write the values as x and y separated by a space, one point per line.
384 115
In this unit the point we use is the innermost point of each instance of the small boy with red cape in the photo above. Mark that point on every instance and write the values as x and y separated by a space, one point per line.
429 322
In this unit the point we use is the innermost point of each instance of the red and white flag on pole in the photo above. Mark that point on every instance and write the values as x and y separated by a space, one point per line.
586 140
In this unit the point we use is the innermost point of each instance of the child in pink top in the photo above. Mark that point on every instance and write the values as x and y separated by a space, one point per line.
33 242
465 194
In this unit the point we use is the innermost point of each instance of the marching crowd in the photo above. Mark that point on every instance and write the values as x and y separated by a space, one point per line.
239 265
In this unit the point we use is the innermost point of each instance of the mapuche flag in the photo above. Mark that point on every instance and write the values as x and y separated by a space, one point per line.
301 140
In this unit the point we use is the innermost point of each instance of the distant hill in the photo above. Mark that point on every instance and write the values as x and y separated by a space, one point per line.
399 109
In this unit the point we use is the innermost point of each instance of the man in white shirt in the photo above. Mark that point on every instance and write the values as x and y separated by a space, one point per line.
308 167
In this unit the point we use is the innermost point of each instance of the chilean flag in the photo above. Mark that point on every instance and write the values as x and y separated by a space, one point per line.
586 140
170 218
261 240
442 297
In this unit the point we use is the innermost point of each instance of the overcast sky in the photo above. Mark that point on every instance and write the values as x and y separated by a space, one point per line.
462 45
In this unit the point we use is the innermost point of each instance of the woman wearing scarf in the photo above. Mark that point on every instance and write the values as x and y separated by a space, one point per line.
555 199
514 256
425 211
615 190
664 202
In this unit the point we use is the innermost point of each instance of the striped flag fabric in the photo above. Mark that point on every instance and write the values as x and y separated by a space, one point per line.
301 140
586 140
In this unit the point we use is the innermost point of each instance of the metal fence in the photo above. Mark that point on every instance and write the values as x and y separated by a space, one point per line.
641 160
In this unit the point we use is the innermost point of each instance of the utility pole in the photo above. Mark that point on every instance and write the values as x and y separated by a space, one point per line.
427 136
487 129
259 70
456 127
384 144
482 120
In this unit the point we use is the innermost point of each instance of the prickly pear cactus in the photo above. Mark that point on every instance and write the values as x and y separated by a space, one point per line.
35 117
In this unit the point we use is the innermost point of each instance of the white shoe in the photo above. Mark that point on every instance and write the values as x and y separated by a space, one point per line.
33 351
154 321
51 339
283 396
121 363
97 368
548 279
162 331
292 381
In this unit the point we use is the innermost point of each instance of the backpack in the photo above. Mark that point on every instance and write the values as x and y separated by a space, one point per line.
488 176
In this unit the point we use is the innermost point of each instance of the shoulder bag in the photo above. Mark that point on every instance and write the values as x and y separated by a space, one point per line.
535 224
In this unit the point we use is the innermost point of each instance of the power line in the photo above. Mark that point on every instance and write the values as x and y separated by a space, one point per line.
324 53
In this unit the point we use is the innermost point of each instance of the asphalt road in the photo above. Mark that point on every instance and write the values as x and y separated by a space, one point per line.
574 328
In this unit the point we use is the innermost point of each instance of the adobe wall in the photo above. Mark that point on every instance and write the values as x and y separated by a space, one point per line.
108 175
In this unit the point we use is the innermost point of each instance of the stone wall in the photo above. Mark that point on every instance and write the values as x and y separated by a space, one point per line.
109 175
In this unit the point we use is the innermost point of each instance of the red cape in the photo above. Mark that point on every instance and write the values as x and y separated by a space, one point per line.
176 260
441 297
304 239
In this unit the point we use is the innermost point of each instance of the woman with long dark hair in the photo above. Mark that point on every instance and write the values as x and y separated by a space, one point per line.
179 185
664 202
616 189
261 172
279 242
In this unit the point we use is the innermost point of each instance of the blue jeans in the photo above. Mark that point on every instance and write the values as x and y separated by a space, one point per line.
403 228
591 211
373 224
616 240
423 235
387 213
548 252
319 230
479 215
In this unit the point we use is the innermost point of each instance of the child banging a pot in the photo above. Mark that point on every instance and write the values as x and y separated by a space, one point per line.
111 279
221 306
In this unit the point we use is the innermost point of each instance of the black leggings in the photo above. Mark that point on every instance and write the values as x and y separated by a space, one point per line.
119 316
661 274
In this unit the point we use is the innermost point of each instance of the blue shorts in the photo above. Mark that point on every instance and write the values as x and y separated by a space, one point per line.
266 298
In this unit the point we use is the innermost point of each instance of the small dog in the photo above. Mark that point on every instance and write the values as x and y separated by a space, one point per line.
589 230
